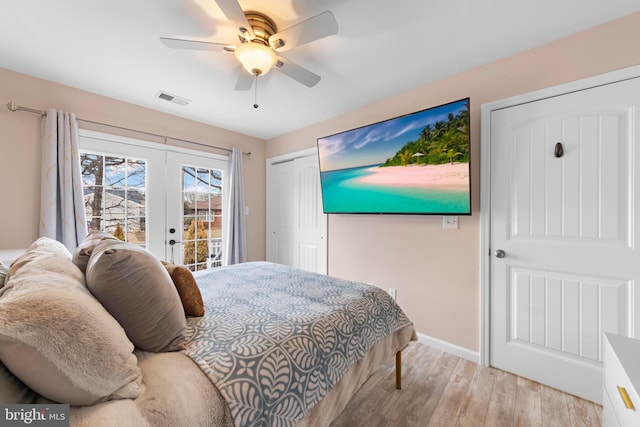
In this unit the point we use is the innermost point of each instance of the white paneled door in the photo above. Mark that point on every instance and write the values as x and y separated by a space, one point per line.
564 202
297 227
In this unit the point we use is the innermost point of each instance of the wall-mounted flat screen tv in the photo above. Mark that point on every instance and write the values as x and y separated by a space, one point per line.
413 164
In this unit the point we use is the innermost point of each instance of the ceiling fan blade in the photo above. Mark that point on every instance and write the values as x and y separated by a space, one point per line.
235 15
196 45
245 80
314 28
296 72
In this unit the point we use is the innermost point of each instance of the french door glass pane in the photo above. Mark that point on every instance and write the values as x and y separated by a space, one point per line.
201 217
115 195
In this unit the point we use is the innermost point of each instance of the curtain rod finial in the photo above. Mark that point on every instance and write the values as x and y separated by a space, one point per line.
12 106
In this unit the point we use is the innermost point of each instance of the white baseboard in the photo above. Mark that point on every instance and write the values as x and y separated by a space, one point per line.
465 353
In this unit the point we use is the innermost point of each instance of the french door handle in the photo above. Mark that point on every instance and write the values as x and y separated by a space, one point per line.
173 242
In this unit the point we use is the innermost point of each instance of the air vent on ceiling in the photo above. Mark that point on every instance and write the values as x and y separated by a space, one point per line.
172 98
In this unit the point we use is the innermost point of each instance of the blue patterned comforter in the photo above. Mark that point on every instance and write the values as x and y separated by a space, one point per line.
275 340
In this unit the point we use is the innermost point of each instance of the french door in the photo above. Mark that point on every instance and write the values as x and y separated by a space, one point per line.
195 211
170 201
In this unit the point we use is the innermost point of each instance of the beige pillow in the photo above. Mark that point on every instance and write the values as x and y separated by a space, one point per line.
59 340
48 245
4 270
135 288
42 246
187 288
12 390
83 252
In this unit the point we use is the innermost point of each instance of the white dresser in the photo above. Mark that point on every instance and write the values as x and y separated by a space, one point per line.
621 402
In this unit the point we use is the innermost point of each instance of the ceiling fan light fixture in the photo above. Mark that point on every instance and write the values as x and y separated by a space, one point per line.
256 58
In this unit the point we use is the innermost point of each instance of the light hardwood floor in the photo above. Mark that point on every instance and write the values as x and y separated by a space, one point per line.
440 389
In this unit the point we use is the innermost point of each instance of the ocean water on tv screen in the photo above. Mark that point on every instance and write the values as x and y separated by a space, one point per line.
343 191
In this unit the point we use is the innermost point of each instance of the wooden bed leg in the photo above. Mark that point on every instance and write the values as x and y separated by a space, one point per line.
399 370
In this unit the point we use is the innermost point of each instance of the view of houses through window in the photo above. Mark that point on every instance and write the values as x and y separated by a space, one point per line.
115 194
202 217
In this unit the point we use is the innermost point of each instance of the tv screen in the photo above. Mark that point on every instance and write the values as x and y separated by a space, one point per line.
413 164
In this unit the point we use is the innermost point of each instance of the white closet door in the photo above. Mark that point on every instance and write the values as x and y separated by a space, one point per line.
282 214
564 235
297 226
311 222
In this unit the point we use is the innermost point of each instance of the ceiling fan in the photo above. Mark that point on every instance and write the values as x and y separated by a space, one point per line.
261 43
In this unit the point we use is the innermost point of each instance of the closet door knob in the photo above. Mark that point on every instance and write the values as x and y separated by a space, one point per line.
499 253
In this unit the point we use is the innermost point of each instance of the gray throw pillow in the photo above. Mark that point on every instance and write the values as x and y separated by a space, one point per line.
58 340
83 252
136 289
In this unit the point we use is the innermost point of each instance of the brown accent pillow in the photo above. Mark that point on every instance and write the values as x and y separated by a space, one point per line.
137 290
82 254
58 340
187 289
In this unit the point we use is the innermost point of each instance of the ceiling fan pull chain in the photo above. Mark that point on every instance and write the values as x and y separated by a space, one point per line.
255 92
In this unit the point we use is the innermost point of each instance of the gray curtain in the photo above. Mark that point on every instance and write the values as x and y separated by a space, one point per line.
62 212
235 250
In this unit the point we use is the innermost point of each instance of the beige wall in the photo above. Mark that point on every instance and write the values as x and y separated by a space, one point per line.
20 151
436 271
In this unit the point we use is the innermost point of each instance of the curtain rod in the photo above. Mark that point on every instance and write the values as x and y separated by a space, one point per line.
15 107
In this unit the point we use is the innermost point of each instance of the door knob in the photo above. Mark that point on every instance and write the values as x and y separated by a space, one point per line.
499 253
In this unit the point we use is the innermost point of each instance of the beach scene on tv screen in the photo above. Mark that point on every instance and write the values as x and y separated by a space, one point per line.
418 163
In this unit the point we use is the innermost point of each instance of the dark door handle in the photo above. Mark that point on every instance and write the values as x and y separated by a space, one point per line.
558 151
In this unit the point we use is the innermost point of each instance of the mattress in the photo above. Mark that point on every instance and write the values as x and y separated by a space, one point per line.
281 343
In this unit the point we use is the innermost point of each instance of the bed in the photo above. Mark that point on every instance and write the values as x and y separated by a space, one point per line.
279 342
277 346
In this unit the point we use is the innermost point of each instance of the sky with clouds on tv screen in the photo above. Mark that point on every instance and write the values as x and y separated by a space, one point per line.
375 143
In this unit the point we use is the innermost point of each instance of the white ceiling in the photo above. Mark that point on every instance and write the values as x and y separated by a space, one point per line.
383 47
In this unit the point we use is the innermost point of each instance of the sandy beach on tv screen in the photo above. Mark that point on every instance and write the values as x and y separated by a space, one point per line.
445 176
